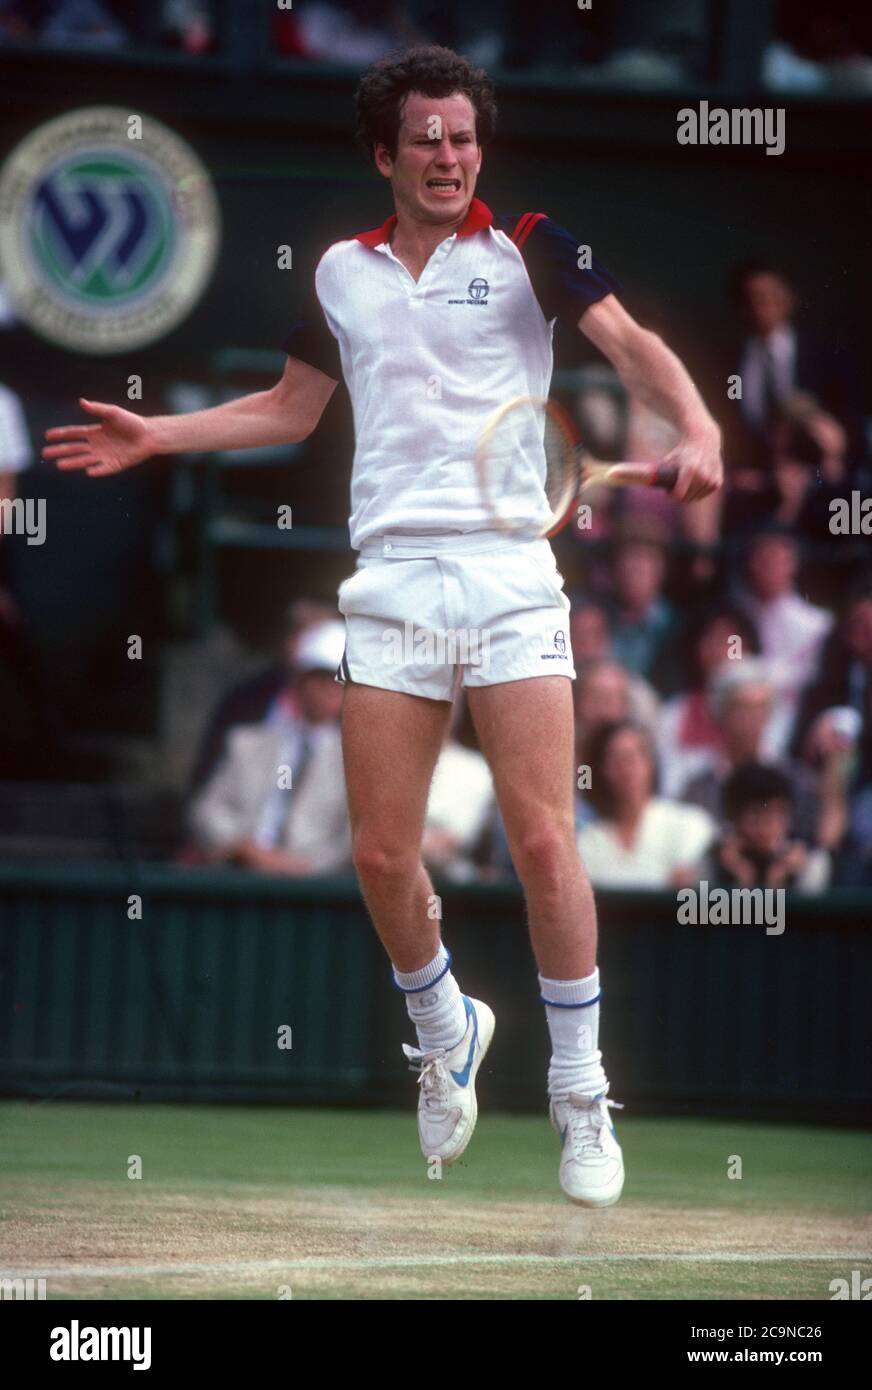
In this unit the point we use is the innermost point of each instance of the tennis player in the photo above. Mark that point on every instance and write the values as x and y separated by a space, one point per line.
434 320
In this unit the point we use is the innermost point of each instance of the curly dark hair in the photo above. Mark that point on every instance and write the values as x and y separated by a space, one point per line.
754 784
430 69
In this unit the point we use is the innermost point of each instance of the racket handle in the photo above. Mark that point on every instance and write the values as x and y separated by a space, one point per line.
664 475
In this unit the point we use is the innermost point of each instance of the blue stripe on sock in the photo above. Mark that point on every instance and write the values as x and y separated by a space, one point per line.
419 988
552 1003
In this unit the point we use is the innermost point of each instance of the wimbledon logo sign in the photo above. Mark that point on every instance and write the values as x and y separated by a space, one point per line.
109 229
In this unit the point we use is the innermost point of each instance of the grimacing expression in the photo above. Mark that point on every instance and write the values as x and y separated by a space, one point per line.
435 169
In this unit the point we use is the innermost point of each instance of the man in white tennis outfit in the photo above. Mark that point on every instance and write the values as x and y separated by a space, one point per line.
434 320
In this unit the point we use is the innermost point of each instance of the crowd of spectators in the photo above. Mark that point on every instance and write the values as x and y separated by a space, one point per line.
721 779
189 26
631 43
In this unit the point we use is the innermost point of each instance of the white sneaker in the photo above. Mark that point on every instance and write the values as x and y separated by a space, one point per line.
591 1162
447 1108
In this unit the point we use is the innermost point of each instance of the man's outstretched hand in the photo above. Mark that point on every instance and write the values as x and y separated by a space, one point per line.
119 441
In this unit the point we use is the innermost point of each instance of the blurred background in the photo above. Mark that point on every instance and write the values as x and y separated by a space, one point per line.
157 896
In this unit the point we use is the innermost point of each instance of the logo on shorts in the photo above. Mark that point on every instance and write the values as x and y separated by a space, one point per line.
477 291
559 640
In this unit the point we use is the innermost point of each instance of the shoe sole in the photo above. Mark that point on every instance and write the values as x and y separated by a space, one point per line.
592 1206
485 1038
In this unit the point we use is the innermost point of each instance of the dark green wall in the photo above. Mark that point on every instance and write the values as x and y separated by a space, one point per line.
186 1003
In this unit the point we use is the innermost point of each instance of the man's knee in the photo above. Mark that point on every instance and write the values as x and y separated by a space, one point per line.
376 858
543 850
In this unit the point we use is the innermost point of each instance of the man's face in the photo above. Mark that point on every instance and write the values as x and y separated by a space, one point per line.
436 167
772 567
603 697
768 302
746 716
639 572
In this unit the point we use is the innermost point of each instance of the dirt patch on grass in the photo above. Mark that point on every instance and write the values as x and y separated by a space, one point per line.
96 1241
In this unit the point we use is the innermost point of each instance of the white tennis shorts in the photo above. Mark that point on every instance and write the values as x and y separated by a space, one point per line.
417 607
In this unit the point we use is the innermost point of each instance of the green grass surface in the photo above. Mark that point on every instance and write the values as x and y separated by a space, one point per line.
242 1201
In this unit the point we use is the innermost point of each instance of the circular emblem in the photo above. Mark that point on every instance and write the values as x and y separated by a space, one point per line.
109 229
478 288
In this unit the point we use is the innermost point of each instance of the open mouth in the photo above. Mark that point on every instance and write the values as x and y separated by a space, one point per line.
444 185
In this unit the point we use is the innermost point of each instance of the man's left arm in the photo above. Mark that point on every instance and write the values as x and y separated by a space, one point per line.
650 371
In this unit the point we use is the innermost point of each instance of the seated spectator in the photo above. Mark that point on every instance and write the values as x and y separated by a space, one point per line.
642 621
820 48
833 746
779 358
591 643
459 805
268 694
640 840
604 694
756 851
809 467
245 815
188 25
792 631
780 365
355 32
744 700
83 21
855 863
688 732
843 681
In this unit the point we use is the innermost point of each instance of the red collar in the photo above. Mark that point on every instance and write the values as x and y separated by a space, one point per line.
478 216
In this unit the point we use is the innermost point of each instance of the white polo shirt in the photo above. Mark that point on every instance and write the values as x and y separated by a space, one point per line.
426 363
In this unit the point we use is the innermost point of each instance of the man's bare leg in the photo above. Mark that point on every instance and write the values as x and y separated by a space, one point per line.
390 744
526 732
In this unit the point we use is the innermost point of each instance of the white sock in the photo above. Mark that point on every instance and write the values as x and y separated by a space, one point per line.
572 1011
434 1002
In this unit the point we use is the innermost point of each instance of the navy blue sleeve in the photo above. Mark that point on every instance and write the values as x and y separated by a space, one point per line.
551 255
309 339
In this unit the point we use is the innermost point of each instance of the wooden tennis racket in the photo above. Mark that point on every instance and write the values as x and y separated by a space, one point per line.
513 442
